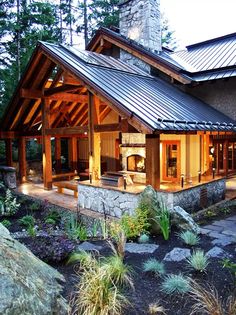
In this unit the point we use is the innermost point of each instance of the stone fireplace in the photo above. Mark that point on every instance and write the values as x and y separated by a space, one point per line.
136 163
133 153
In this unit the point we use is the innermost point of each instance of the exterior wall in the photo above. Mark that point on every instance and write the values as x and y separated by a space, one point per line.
115 203
198 197
221 95
109 201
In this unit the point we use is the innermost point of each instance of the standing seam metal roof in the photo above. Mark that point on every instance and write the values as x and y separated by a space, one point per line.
156 103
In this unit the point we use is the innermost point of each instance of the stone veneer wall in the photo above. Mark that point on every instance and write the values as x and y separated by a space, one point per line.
140 21
112 202
115 202
190 199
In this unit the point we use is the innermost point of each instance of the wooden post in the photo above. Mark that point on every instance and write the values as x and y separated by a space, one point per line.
153 160
57 154
94 141
73 157
46 146
22 159
9 152
225 156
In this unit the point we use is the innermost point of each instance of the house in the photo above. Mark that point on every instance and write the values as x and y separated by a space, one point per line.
160 117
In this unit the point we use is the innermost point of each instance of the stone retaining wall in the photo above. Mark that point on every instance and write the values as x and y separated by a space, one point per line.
112 202
115 203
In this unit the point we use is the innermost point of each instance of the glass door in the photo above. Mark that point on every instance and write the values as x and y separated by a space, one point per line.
171 160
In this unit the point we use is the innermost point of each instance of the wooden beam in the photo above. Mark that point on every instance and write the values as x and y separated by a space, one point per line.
57 154
46 146
66 131
9 134
226 157
9 160
69 79
73 157
153 161
62 96
22 159
60 89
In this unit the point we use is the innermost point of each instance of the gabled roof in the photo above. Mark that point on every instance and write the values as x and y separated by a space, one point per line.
208 60
148 101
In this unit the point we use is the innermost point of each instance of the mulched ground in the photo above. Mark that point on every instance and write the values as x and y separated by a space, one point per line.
147 286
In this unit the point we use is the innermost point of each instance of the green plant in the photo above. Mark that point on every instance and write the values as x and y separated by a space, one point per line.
207 301
175 284
198 261
34 207
118 235
154 266
31 230
144 238
75 230
189 238
50 221
210 214
54 215
10 206
27 221
95 227
98 291
104 228
136 224
230 265
6 223
162 218
119 272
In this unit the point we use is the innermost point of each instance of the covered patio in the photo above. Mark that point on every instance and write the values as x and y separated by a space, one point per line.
123 128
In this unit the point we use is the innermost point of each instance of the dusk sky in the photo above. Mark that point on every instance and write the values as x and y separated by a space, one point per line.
198 20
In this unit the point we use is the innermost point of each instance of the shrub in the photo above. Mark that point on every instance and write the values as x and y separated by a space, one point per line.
230 265
207 301
198 261
98 290
153 265
144 239
134 225
9 206
27 221
175 284
6 223
189 238
104 228
52 248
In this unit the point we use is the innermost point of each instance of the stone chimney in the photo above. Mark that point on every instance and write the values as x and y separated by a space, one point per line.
140 21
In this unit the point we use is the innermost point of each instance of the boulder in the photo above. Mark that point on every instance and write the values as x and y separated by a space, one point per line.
183 220
8 176
27 285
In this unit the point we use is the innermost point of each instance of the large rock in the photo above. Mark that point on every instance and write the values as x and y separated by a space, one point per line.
8 176
183 220
28 286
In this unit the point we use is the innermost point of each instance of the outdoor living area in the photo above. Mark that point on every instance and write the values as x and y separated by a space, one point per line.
116 138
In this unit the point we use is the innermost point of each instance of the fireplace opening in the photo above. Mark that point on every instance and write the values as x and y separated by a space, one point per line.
136 163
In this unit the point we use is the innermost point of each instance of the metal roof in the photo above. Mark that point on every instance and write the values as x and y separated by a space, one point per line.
156 103
195 63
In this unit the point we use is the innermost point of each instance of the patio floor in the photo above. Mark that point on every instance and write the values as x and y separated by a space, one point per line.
68 201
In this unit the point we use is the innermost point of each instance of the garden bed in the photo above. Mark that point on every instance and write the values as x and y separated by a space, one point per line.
147 286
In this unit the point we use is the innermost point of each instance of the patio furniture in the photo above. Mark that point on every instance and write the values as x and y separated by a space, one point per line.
68 185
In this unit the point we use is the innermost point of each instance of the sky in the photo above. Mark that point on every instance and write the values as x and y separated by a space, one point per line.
198 20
